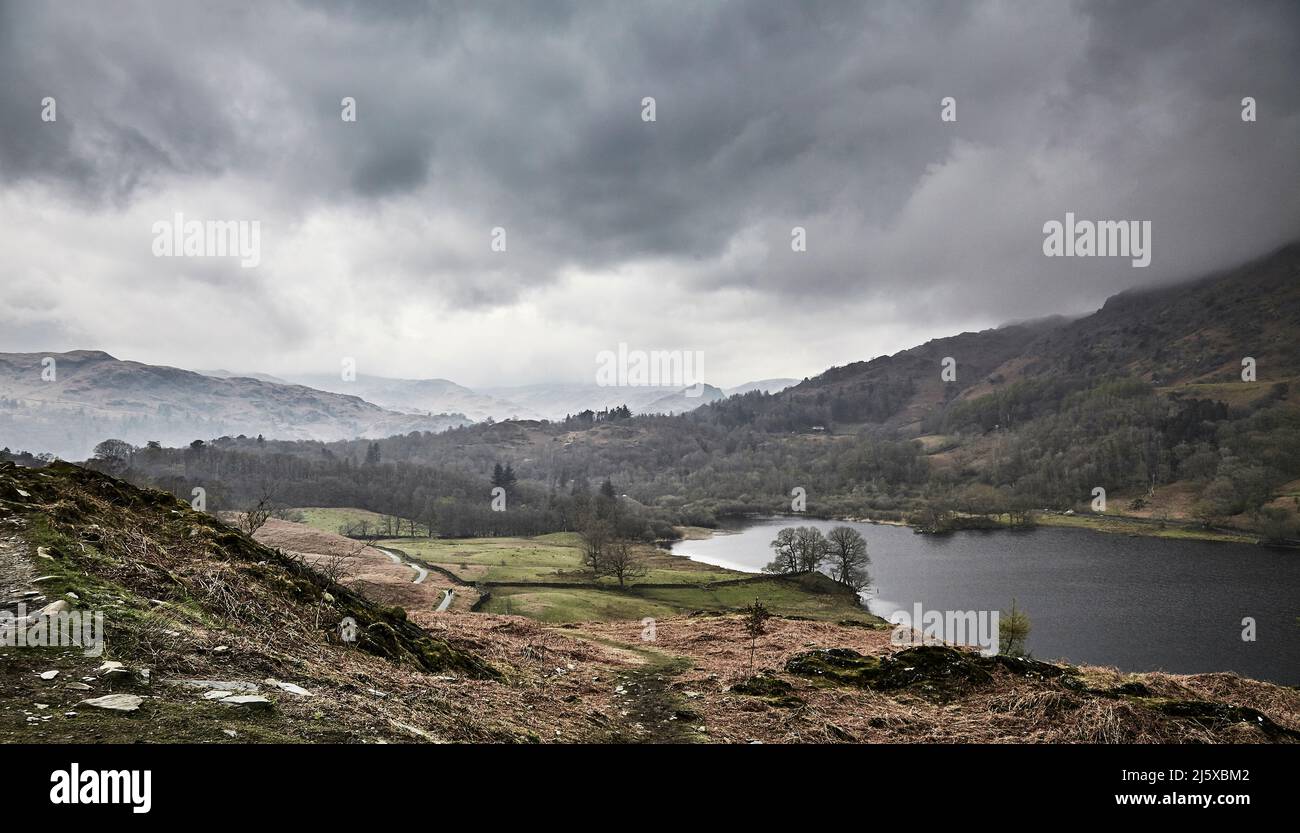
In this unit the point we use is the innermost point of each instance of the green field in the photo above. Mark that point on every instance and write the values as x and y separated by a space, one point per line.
1117 524
562 604
331 520
546 558
557 558
810 597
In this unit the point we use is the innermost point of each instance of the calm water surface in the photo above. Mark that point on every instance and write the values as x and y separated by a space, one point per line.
1139 604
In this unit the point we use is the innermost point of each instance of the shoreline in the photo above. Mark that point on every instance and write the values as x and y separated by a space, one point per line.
1132 527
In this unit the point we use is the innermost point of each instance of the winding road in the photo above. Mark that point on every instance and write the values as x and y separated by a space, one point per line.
420 572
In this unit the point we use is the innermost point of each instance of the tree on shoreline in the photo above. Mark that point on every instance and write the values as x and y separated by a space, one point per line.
798 550
849 558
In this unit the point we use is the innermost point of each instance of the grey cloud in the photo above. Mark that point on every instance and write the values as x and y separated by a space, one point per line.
770 115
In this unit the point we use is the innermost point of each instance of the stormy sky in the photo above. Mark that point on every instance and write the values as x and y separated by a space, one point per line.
670 234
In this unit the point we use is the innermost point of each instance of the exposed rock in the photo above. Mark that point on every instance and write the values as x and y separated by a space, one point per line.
413 730
1220 714
936 672
775 691
248 701
116 702
49 675
53 608
290 687
217 694
836 664
219 685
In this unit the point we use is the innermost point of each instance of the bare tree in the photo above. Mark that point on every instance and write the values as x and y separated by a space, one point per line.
623 561
785 561
595 537
849 558
253 518
798 549
811 548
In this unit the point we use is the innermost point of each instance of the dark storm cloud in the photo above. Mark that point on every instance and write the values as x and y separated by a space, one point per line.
770 115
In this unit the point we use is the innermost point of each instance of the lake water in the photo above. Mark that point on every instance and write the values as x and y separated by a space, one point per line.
1139 604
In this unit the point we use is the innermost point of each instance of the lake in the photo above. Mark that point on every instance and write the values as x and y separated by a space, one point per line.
1139 604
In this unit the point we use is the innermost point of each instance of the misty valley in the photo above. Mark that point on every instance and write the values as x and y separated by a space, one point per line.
583 380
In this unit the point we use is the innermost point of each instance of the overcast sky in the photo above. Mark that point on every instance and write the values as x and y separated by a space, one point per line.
671 234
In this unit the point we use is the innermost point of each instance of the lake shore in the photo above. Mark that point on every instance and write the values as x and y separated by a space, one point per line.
1109 524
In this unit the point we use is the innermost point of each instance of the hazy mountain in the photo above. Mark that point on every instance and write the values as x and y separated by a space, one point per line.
551 401
422 396
765 385
555 401
227 374
93 396
683 401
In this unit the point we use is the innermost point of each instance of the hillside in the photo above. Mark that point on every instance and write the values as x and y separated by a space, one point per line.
94 396
212 637
1143 398
424 396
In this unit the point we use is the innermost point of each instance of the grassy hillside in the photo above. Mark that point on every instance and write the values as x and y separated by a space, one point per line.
516 573
201 619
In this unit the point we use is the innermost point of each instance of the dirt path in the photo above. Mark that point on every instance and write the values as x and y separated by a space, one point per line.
648 709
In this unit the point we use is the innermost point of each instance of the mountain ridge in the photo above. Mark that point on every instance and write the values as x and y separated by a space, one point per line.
86 396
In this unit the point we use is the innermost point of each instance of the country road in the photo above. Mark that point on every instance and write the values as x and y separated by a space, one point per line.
420 572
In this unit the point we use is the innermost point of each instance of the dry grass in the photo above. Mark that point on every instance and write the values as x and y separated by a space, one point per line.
189 600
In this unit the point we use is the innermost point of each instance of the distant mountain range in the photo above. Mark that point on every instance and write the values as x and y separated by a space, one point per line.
91 396
539 401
